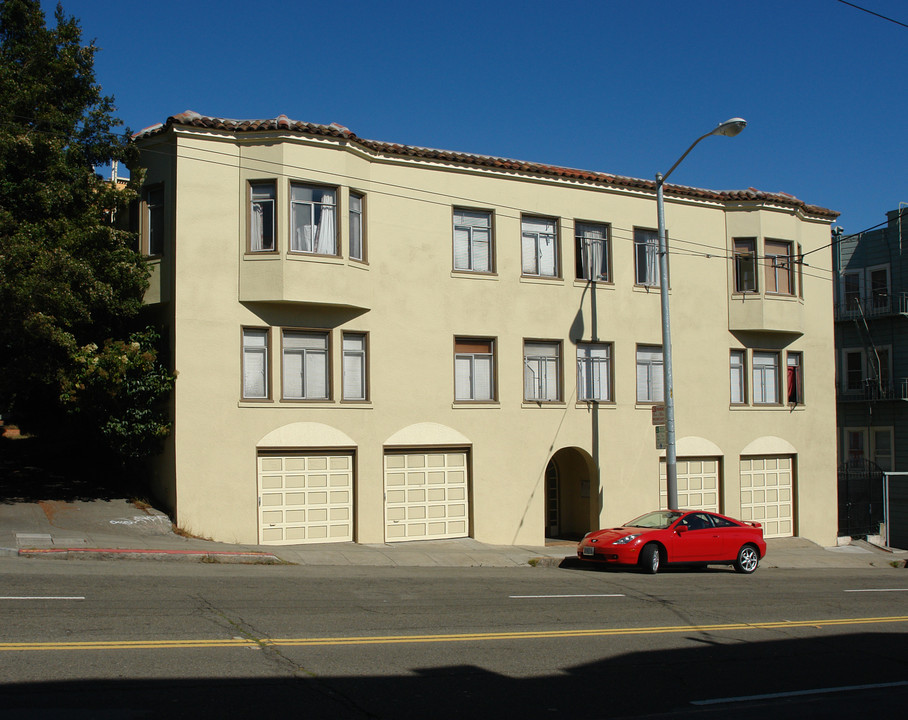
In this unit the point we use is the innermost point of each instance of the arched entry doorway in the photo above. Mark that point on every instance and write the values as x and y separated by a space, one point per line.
571 495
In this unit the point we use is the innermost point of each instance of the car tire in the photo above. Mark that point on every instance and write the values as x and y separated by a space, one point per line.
748 559
650 559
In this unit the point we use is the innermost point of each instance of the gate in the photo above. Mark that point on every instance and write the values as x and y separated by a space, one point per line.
860 498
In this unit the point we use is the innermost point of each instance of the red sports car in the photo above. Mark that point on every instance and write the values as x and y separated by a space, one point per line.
689 537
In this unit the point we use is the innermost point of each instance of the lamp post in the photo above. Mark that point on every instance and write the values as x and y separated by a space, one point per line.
729 128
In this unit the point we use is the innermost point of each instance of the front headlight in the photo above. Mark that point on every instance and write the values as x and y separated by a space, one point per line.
626 539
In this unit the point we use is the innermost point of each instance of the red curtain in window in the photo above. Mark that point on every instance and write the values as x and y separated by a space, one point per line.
794 384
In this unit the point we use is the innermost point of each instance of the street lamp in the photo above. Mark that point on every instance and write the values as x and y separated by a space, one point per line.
729 128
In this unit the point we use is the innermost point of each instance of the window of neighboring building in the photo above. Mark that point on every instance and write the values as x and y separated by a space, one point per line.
541 371
854 443
853 361
881 441
852 289
474 369
261 217
255 363
357 247
779 267
737 375
795 378
592 249
765 378
538 247
879 287
594 372
354 366
650 374
154 221
472 240
305 366
745 265
313 226
646 257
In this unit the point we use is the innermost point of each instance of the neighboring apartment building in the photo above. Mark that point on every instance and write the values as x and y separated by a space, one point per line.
871 342
379 343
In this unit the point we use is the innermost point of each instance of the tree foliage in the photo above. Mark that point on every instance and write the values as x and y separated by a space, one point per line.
70 275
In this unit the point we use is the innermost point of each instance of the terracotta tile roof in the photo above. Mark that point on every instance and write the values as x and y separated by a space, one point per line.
283 123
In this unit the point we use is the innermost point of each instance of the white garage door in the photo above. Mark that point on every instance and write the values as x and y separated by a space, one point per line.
305 499
426 496
767 488
698 484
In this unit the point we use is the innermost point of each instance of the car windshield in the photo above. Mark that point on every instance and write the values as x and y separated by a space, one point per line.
661 519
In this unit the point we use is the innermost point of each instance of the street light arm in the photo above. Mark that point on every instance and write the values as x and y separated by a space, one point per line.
729 128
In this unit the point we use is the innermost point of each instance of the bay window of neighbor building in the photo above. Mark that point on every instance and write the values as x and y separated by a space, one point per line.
779 268
650 374
255 363
541 371
592 250
153 229
539 247
357 247
354 366
745 265
474 369
795 378
737 376
472 240
261 217
594 372
646 257
313 227
765 378
305 365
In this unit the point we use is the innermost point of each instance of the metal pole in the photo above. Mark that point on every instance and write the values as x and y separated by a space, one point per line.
671 459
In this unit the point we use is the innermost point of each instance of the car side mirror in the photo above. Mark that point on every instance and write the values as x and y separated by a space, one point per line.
682 529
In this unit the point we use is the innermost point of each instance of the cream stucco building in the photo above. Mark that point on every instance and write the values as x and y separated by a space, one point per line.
381 343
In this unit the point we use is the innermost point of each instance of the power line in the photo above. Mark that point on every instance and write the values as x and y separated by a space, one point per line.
871 12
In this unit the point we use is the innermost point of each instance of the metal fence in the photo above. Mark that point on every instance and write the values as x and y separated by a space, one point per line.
860 498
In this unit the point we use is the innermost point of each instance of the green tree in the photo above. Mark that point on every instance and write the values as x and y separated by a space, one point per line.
70 275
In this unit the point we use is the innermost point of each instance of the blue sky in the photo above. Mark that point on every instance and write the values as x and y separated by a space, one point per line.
606 85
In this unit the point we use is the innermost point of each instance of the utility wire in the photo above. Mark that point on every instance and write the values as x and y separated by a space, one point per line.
871 12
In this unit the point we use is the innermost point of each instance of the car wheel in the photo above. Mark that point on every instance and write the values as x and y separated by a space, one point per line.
747 560
650 559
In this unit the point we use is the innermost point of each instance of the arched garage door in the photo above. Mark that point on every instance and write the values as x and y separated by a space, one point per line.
767 493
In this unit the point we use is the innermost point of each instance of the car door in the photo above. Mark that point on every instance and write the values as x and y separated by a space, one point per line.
698 539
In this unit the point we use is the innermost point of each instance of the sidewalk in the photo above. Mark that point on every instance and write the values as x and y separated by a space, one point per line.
118 529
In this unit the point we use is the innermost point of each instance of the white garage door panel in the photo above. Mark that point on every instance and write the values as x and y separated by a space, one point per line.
305 499
767 491
698 484
426 496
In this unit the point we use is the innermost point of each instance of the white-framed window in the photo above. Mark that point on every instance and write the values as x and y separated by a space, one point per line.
880 293
855 441
592 248
357 238
313 225
852 370
472 240
745 265
646 257
737 376
354 366
779 268
594 372
305 365
541 371
153 230
852 289
539 246
255 364
882 440
795 378
474 369
261 217
765 377
650 374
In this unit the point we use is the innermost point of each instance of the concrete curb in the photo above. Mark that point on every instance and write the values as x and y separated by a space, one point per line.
205 556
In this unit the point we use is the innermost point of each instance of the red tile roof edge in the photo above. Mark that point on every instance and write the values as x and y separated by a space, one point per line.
283 123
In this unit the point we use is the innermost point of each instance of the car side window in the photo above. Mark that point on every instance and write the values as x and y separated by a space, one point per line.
697 521
722 522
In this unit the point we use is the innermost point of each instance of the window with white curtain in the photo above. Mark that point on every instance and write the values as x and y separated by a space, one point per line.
778 267
472 240
541 371
594 372
312 220
255 363
305 366
736 377
539 247
474 369
765 378
354 366
357 251
592 248
154 220
650 374
261 217
646 257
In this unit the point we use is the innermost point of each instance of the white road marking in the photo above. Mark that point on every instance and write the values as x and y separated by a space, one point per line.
797 693
43 597
524 597
880 590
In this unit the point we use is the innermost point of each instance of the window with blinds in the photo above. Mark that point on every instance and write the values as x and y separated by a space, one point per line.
305 365
474 369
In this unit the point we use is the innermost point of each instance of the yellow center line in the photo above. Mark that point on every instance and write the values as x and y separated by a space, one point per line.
451 637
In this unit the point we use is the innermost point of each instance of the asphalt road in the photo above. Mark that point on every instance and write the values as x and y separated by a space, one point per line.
144 639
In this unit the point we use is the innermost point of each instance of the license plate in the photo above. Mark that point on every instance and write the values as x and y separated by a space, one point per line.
589 551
